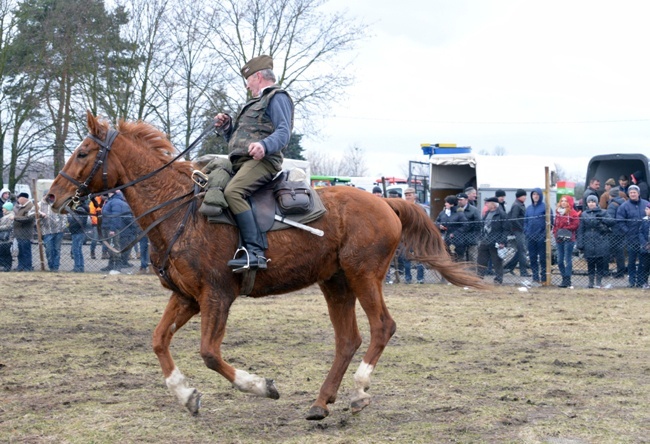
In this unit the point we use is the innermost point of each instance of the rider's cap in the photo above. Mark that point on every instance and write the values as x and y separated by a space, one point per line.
256 64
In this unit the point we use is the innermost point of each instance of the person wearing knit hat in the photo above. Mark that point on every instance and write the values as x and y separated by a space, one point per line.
5 195
377 191
629 215
516 222
6 231
256 138
593 239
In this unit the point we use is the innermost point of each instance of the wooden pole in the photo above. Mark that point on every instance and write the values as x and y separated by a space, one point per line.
38 225
546 280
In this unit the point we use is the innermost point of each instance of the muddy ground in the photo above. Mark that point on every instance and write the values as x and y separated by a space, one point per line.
542 366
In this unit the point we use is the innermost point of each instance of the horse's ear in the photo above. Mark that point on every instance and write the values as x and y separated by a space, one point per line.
94 127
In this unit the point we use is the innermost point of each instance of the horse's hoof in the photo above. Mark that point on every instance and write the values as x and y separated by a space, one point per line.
359 404
317 413
271 389
193 404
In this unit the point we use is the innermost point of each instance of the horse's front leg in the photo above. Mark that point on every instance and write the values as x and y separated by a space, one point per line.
213 330
177 313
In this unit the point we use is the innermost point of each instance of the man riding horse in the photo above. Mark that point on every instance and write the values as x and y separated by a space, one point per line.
255 142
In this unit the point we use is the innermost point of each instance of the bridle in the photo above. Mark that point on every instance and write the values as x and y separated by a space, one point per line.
100 162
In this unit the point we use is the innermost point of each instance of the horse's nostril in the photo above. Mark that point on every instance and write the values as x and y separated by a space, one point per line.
50 199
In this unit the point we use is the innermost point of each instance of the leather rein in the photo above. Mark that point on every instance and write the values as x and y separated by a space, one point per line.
100 162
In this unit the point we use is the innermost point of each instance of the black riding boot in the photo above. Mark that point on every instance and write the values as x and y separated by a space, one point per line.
251 255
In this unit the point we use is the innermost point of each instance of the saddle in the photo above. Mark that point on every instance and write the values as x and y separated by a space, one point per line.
265 203
277 205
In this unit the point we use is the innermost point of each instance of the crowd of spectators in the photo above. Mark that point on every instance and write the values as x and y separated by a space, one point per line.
22 218
603 227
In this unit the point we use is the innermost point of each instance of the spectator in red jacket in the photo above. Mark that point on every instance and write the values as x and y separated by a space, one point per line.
567 222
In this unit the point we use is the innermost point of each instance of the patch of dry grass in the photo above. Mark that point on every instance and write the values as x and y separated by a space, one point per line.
549 365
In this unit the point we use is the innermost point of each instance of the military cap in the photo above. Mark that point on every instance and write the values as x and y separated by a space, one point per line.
256 64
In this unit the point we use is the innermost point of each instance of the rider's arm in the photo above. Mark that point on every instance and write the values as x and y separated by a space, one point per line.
280 110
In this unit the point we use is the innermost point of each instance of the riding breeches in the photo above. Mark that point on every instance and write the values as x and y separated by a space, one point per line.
249 177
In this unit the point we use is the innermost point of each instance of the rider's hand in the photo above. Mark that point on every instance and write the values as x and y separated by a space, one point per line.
256 150
222 120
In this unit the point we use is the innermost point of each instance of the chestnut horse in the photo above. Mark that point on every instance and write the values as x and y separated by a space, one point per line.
349 262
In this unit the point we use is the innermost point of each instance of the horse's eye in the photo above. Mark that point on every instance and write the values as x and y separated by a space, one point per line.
81 154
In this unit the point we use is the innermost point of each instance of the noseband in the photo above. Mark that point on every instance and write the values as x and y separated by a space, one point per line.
100 160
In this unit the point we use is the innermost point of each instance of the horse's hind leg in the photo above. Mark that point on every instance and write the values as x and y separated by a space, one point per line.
382 328
177 313
340 303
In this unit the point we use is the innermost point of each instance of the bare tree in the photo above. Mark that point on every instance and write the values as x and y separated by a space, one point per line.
496 151
307 46
323 164
353 162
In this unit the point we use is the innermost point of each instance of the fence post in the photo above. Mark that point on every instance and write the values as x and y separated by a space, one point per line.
547 201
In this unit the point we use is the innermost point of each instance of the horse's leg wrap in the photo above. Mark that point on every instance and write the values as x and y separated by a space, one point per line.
189 397
361 399
255 385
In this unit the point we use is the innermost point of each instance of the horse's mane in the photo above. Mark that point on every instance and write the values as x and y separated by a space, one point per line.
147 135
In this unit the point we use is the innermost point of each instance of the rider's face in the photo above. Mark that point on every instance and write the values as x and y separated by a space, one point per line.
253 84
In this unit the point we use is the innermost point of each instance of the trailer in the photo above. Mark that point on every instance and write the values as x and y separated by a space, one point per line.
450 174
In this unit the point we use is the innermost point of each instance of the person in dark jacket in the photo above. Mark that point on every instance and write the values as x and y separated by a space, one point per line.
77 223
617 238
493 237
24 221
593 234
118 225
467 247
638 179
629 215
516 224
452 224
644 242
535 231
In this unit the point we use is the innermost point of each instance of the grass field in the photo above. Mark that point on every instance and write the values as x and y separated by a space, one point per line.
501 366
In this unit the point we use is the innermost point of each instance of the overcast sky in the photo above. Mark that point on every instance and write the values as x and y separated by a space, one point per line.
567 79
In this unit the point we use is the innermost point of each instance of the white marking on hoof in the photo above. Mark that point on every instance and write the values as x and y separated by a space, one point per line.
178 386
248 383
362 381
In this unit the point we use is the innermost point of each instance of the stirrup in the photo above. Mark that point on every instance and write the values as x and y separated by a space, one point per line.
237 268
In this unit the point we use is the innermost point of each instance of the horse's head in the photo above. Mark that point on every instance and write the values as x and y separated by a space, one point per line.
88 169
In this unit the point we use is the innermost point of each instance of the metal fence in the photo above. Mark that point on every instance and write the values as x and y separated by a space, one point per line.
403 271
608 270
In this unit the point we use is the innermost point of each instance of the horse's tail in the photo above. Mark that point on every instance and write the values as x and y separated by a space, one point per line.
421 237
